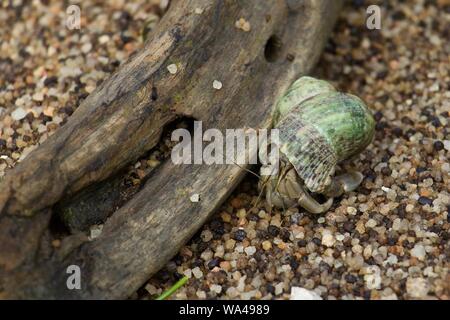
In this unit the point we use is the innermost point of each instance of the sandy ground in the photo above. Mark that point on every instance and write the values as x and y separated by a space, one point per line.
387 240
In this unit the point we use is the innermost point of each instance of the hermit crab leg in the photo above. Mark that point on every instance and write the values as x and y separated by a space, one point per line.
306 201
346 182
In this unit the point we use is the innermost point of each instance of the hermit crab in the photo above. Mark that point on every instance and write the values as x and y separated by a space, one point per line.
319 127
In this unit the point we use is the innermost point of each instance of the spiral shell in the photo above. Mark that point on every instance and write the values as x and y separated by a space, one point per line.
320 129
301 90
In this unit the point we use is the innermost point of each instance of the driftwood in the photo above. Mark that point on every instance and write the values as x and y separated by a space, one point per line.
123 119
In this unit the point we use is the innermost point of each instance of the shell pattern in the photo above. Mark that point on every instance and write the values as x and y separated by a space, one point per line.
319 128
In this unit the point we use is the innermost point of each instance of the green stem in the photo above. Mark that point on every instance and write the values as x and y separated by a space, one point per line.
172 289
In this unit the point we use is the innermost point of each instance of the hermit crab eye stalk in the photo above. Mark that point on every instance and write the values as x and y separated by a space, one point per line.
318 128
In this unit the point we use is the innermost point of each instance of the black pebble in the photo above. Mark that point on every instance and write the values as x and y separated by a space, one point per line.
50 81
392 241
407 121
178 260
293 263
253 217
263 234
67 110
407 244
380 126
213 263
124 20
303 243
125 39
240 235
197 263
202 246
424 201
285 235
177 275
402 211
273 230
349 226
351 278
217 228
421 169
398 15
377 116
386 171
270 288
2 143
438 145
435 122
358 3
397 132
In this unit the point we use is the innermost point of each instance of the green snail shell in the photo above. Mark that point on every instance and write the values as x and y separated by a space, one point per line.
301 90
321 131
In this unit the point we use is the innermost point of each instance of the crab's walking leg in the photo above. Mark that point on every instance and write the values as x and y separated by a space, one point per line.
346 182
307 202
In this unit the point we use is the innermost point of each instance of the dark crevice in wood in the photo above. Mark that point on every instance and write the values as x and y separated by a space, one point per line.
273 48
94 204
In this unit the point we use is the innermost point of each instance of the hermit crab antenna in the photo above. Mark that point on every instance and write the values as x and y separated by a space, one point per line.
262 188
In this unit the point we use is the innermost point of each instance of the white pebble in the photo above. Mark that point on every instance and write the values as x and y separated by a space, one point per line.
217 85
371 223
38 96
392 259
152 289
172 68
86 47
232 292
279 288
195 197
419 252
188 273
18 114
95 231
352 211
197 272
103 39
250 250
216 288
447 144
340 237
298 293
417 287
198 10
328 239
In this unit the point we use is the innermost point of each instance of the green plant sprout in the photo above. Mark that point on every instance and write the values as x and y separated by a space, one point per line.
172 289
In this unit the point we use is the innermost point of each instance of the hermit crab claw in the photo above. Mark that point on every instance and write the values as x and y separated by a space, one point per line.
346 182
307 202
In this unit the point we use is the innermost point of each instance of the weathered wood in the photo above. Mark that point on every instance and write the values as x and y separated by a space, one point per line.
124 118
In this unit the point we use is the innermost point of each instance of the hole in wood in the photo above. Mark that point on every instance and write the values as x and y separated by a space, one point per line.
272 51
